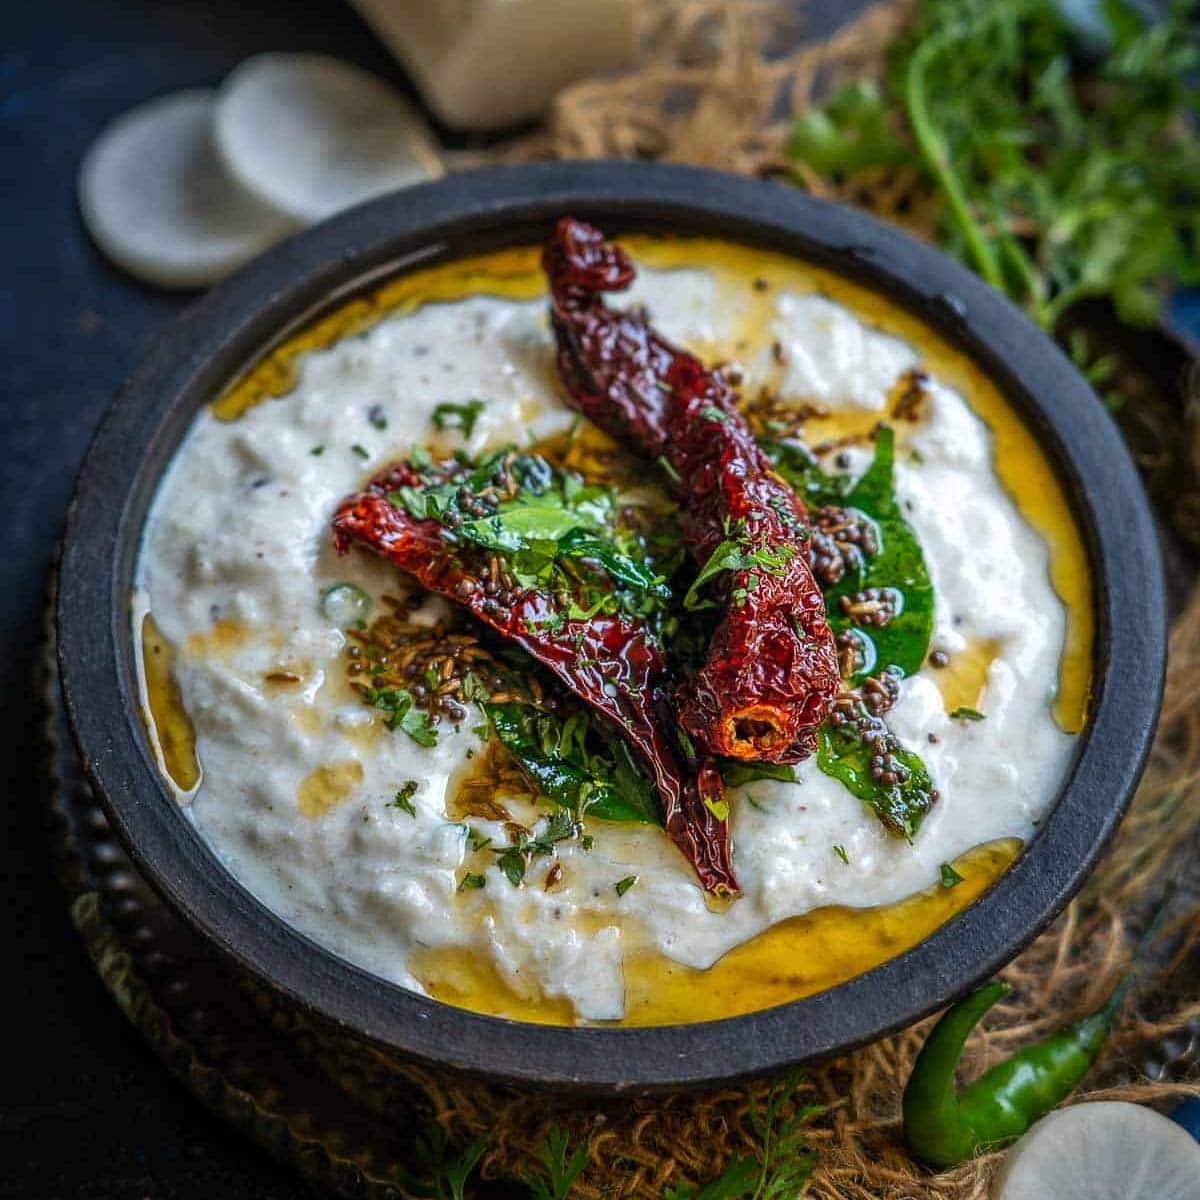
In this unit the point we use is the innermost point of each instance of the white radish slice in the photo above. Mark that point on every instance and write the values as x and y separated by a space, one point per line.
157 201
1102 1151
311 135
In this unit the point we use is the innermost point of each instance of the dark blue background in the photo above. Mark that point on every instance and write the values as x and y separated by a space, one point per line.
85 1110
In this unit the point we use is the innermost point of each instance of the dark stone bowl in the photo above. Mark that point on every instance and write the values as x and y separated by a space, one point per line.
467 214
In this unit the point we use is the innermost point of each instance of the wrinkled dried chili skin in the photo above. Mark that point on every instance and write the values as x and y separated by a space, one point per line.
608 661
771 672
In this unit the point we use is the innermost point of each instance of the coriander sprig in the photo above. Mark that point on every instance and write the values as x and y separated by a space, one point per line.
1061 171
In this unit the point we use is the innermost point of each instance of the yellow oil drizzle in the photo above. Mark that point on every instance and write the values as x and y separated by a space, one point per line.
225 636
461 976
166 718
509 274
307 719
962 680
325 787
798 957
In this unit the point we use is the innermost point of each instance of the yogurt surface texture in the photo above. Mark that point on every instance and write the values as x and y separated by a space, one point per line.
299 778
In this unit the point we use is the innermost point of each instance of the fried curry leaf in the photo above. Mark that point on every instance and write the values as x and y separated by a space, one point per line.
898 566
845 755
554 755
736 773
904 641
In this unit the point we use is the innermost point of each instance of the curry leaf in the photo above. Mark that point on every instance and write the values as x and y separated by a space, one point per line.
737 773
899 565
846 756
553 754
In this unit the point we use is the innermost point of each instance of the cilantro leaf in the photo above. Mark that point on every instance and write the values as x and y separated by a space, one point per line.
781 1163
1057 176
560 1165
963 713
949 876
403 798
445 1170
400 712
458 416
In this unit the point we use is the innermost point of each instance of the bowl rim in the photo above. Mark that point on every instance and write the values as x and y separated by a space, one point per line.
469 213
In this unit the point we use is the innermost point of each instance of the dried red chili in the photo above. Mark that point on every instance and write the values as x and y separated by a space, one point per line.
608 661
771 673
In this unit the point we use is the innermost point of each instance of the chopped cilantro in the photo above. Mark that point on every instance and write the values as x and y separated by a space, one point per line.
718 808
403 798
512 863
950 877
417 724
667 469
477 841
361 451
458 416
317 451
471 881
514 858
397 705
623 885
963 713
840 851
554 532
735 554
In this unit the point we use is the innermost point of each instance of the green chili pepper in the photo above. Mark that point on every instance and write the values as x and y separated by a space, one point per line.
944 1126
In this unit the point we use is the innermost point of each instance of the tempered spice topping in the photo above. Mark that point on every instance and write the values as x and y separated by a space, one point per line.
771 415
911 392
430 662
875 606
842 540
880 692
609 660
851 714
